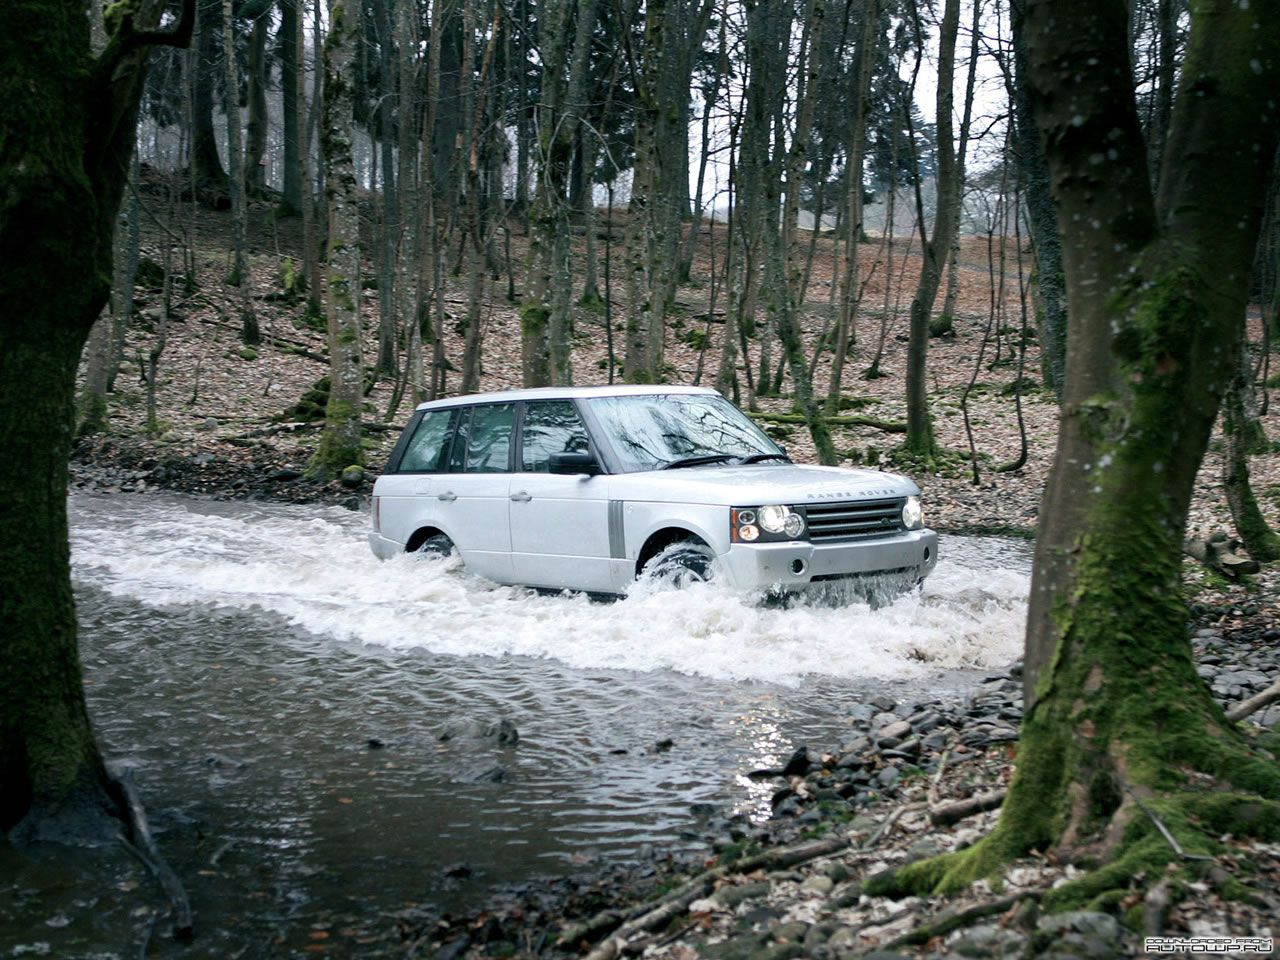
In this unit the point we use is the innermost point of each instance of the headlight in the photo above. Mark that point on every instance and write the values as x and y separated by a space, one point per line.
773 522
912 514
774 517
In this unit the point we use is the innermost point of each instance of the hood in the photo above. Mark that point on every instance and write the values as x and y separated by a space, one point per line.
759 484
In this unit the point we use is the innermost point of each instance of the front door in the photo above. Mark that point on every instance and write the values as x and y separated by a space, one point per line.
559 524
473 495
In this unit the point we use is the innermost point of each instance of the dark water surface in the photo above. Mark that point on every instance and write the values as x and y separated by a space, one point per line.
282 698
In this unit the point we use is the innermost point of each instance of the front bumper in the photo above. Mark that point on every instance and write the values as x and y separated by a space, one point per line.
798 564
383 548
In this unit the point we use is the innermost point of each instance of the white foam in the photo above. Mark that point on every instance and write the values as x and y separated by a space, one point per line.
313 567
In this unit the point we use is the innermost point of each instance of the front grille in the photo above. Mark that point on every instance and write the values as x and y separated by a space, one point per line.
857 520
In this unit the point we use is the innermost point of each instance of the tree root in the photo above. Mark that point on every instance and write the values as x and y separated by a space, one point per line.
1254 703
954 921
142 845
1180 828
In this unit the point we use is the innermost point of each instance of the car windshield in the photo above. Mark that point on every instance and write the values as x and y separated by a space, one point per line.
654 431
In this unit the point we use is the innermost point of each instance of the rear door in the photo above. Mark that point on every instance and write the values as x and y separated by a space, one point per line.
406 501
559 524
473 494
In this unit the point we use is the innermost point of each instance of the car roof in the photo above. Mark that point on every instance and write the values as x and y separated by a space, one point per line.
564 393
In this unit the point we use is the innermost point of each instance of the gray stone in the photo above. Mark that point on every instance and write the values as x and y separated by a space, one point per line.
883 703
893 731
888 776
818 884
990 940
790 932
732 896
1089 922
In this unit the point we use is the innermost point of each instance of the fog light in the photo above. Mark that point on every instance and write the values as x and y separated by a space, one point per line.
748 532
797 566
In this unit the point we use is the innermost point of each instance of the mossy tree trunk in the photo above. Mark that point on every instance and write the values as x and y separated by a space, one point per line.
340 442
919 424
69 119
1157 285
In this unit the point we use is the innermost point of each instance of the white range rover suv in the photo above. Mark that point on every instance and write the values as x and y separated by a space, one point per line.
586 488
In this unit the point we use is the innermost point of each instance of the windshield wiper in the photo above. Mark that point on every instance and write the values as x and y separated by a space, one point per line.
762 457
697 461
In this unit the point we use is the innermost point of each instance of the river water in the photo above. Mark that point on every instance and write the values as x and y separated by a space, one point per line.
313 730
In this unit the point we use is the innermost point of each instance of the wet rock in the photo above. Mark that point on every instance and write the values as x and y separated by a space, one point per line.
789 932
893 731
789 807
285 474
990 940
504 731
818 884
662 746
850 761
482 773
352 477
817 935
888 776
883 703
456 871
798 765
454 948
373 743
730 897
1082 933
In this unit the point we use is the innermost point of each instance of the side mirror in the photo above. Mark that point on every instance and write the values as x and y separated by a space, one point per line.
573 463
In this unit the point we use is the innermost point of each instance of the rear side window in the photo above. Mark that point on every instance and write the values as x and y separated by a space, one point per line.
551 426
428 451
489 438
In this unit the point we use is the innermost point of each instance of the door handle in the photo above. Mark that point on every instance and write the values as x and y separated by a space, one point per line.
521 497
448 496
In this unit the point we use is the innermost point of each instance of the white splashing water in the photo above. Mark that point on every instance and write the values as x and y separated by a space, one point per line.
312 566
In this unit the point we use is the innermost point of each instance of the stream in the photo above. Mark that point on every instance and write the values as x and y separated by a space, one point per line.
319 734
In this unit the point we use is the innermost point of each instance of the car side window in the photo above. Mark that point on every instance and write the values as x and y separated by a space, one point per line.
551 426
428 451
488 438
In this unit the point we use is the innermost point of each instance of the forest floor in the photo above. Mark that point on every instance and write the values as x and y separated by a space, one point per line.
223 428
223 432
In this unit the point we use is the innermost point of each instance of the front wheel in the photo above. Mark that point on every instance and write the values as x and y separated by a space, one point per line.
680 564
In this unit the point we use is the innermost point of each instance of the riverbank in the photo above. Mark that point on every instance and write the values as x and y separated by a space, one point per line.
911 780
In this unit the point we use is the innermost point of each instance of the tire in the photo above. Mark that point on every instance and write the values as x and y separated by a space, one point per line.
682 563
437 545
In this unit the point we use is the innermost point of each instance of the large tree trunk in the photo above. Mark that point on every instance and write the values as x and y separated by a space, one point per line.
291 178
206 166
1042 219
63 162
340 442
235 173
1117 716
255 170
919 424
849 294
1256 535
